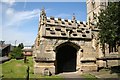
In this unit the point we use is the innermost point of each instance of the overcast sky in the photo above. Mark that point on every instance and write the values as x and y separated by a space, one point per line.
20 19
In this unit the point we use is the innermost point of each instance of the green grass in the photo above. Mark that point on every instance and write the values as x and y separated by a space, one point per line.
14 69
17 69
88 77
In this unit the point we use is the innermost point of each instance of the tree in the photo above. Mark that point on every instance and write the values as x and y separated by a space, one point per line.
16 53
21 45
108 23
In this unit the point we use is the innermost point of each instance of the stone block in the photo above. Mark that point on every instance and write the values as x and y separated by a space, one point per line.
101 63
112 63
88 67
38 69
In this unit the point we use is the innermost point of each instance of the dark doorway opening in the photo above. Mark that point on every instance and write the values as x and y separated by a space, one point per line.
66 58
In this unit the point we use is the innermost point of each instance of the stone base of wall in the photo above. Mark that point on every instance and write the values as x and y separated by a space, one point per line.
40 69
101 63
112 63
84 67
108 63
88 67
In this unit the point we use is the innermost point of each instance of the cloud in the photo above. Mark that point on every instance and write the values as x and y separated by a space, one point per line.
19 25
9 2
19 16
10 11
13 21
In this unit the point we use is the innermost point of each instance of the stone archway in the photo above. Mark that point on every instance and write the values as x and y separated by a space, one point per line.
66 57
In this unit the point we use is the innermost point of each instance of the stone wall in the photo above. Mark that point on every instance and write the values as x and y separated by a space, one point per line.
47 51
55 32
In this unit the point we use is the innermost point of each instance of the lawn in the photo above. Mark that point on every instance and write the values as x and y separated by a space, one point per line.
18 69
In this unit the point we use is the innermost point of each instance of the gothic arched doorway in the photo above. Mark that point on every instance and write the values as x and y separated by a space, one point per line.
66 57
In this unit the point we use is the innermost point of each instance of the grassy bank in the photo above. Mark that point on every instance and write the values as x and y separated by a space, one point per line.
18 69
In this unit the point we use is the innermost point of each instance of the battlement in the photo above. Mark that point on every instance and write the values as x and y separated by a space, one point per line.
57 27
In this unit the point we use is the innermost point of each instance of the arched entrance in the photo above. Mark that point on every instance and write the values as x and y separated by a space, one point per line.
66 57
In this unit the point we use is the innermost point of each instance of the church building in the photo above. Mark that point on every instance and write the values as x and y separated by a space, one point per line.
64 45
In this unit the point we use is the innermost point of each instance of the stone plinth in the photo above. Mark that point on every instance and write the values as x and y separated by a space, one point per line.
88 67
40 68
101 63
88 64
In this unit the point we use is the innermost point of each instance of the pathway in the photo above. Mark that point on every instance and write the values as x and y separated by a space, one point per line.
71 76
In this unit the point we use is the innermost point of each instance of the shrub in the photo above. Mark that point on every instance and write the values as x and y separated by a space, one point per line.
16 53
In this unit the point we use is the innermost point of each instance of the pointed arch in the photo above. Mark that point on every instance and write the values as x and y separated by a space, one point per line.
73 44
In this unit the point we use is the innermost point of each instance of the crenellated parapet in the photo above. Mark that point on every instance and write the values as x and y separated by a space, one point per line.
63 28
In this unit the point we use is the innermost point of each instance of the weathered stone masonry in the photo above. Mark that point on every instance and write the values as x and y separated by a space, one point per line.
55 32
64 45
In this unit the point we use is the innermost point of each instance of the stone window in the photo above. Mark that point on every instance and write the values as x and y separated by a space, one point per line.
66 20
52 18
74 27
78 24
69 23
59 19
56 21
48 20
83 35
84 25
52 32
72 21
81 22
74 34
82 28
87 31
63 33
47 28
48 50
63 22
87 23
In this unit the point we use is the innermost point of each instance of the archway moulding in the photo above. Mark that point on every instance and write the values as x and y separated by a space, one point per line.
72 43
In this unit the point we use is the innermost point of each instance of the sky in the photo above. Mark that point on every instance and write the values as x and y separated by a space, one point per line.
19 20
